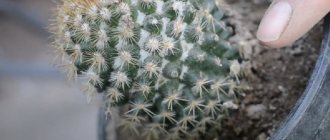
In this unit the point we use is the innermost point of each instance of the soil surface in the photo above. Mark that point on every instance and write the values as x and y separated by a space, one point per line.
276 77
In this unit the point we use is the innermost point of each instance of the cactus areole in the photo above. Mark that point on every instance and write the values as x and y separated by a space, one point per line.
164 66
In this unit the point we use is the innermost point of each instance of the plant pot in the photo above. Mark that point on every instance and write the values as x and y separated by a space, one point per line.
310 118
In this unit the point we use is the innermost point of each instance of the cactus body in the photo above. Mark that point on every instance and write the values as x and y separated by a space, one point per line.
166 62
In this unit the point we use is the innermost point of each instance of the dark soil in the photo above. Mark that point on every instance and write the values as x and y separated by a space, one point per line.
276 77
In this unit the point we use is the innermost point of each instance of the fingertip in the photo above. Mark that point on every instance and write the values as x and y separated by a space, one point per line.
285 22
274 21
274 44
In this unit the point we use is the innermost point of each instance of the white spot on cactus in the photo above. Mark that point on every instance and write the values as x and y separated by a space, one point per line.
200 57
153 45
130 124
85 28
178 27
151 69
114 95
98 62
154 21
125 58
200 86
137 107
102 39
105 13
93 11
127 35
72 5
125 30
172 99
199 29
168 47
218 86
120 79
212 107
124 8
76 54
92 77
233 87
103 26
218 62
193 106
187 120
169 116
178 6
210 21
113 1
147 1
209 17
66 18
78 20
144 88
174 74
67 37
107 2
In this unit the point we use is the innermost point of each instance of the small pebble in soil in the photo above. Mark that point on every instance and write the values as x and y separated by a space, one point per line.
255 111
262 136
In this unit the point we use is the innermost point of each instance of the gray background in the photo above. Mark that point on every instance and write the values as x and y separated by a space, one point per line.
38 105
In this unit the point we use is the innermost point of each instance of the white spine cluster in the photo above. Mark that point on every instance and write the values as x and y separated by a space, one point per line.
120 79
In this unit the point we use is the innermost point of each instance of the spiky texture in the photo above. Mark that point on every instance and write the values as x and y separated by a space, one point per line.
166 61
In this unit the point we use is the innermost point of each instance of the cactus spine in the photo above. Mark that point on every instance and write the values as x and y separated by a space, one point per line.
167 63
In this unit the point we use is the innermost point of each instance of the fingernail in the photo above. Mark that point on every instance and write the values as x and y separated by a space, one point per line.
274 22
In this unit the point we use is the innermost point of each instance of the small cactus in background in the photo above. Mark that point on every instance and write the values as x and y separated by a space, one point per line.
166 64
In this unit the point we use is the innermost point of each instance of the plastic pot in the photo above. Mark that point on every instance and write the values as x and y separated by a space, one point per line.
310 118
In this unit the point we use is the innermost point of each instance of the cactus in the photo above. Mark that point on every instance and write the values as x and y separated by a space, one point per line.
167 64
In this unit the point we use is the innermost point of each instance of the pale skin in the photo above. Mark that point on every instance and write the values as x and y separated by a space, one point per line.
285 21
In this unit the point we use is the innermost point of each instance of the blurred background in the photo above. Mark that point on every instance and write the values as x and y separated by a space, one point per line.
36 102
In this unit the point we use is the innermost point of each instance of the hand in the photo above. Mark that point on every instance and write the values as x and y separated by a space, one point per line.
287 20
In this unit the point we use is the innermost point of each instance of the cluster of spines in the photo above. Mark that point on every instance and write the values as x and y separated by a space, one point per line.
167 59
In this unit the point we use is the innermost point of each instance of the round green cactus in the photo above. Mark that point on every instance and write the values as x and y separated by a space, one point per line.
166 63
